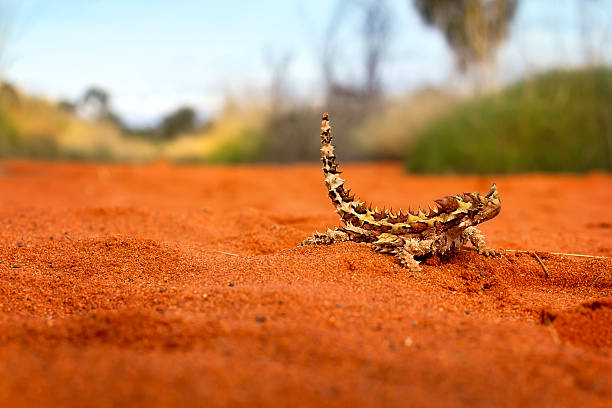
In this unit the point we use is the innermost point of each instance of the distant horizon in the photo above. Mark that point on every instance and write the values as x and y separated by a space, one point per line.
153 57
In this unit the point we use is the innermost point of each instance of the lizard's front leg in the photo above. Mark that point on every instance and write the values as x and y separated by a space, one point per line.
326 238
477 239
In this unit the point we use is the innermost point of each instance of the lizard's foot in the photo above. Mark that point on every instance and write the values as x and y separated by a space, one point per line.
477 239
326 238
408 262
486 251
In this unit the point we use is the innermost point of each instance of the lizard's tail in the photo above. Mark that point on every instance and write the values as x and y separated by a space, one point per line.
340 197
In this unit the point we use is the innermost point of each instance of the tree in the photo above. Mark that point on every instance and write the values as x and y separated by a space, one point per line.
595 30
94 104
278 63
66 106
374 29
181 120
473 29
8 94
356 92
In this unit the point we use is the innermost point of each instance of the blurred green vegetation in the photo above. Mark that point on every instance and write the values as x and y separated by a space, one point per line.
246 147
9 139
32 127
557 121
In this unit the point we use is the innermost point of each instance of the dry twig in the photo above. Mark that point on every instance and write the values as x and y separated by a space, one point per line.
542 265
221 252
595 280
561 253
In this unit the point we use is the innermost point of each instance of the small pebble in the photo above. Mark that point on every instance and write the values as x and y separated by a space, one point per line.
20 244
130 280
15 266
338 305
231 284
414 324
51 237
395 270
467 312
408 341
261 319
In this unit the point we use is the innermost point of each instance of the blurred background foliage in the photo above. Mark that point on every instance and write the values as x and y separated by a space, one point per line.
557 121
547 121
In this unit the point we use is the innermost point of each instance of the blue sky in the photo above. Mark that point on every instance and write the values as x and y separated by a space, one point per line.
155 55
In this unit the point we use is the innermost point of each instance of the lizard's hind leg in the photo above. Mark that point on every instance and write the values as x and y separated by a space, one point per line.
404 249
327 238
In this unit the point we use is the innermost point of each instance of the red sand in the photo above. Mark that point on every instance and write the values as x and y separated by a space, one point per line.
113 292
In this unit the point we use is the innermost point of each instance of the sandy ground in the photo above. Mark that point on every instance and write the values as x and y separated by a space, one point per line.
182 286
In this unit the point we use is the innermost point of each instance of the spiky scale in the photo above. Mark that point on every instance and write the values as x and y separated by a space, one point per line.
432 211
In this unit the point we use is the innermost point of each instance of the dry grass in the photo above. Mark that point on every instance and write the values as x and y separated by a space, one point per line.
102 141
36 127
390 133
43 130
237 127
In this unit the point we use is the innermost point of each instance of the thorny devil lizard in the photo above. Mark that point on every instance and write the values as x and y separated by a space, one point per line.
446 227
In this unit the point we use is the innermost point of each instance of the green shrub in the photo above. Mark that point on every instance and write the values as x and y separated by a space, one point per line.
558 121
9 138
246 147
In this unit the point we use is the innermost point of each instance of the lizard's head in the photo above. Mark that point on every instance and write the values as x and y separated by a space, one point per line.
484 207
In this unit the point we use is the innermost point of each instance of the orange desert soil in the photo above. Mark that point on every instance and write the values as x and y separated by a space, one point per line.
162 285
